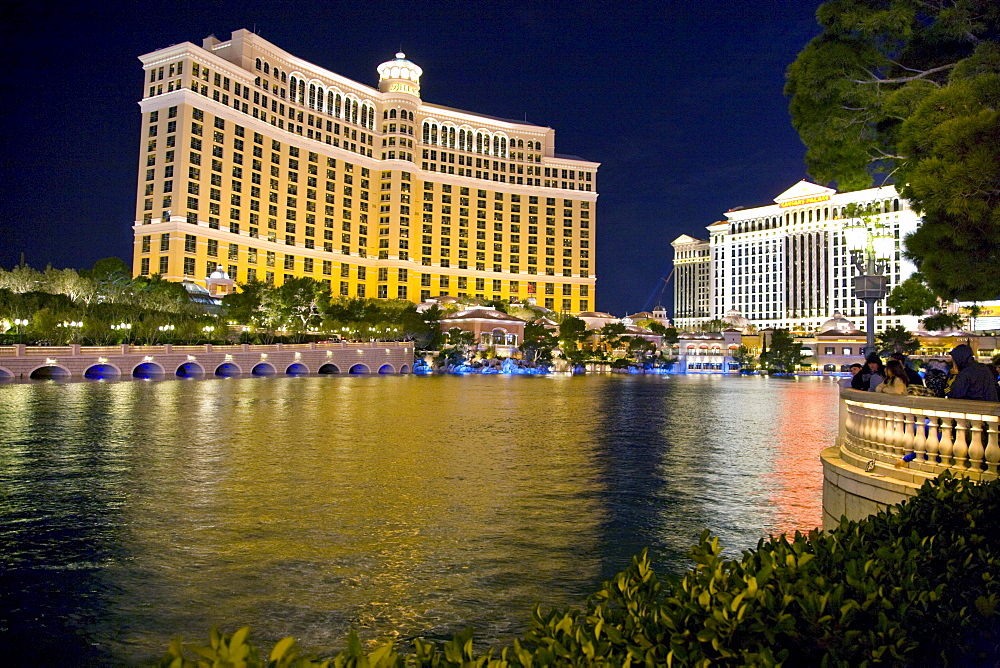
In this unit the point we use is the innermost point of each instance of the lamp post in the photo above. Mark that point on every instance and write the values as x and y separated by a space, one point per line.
872 247
21 323
125 328
166 330
74 328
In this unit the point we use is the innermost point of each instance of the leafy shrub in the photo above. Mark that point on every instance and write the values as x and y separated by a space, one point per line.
915 586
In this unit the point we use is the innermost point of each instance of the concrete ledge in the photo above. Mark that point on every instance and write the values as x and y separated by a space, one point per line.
850 490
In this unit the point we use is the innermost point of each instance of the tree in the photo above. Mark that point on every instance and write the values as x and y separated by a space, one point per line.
458 346
785 351
243 306
538 342
298 301
21 278
907 89
897 339
911 297
744 356
612 334
941 322
639 348
715 325
573 332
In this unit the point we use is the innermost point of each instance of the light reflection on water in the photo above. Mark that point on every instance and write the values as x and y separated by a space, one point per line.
134 512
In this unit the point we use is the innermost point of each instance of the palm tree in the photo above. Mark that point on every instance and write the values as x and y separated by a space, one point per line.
897 339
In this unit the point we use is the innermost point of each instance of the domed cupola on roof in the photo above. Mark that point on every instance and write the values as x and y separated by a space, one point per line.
399 76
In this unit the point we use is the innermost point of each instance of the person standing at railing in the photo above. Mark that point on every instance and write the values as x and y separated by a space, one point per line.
974 380
912 374
871 375
936 377
896 379
855 370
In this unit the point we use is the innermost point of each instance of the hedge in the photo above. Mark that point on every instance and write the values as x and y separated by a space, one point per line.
915 586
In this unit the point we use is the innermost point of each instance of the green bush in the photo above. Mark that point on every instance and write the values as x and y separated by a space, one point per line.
916 586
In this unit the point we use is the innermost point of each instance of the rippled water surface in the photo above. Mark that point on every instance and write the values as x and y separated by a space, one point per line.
135 512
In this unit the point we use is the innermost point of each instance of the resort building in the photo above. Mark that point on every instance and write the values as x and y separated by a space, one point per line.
786 265
692 282
260 165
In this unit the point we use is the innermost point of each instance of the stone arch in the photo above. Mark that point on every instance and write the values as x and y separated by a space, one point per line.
228 370
147 370
329 369
102 371
190 369
49 372
263 369
404 369
297 369
386 369
359 369
5 373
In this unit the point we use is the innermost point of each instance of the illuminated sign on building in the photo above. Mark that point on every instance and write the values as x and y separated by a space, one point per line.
404 88
804 200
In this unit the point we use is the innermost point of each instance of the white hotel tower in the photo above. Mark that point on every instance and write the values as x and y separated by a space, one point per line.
785 265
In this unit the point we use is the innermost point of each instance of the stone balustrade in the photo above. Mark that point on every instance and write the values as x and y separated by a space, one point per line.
888 445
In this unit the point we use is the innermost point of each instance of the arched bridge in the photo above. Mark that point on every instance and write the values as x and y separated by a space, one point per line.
128 361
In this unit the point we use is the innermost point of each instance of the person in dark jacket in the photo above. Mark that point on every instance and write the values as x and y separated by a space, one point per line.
974 380
936 377
871 375
912 374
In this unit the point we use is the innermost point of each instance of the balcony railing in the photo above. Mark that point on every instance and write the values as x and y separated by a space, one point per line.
942 434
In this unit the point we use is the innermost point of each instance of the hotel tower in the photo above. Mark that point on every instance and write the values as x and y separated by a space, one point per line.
787 264
256 163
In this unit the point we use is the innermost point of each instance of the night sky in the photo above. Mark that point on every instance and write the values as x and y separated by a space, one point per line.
681 102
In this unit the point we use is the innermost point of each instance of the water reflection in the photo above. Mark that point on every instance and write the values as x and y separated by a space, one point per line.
134 512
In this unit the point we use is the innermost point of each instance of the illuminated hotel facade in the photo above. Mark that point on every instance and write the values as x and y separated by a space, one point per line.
785 265
262 165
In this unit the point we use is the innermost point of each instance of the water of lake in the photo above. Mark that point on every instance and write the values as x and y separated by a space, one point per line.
134 512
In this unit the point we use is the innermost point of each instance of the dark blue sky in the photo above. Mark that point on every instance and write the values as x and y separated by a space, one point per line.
681 102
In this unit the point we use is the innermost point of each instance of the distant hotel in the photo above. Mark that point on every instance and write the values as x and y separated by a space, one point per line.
264 166
786 265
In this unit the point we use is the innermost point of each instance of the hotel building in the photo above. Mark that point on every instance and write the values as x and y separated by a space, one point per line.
262 165
785 265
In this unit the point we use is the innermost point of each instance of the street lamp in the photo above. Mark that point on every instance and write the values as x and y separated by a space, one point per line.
124 328
872 248
166 330
74 327
21 323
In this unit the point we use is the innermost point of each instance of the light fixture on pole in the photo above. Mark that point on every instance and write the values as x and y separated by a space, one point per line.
872 247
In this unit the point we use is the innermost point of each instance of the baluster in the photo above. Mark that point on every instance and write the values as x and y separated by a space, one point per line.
894 431
933 440
976 450
992 451
946 445
918 439
864 416
960 449
878 435
903 439
891 438
851 425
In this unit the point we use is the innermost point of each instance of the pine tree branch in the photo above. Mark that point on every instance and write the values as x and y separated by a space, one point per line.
876 80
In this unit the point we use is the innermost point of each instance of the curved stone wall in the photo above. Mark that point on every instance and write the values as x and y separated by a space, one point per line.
888 446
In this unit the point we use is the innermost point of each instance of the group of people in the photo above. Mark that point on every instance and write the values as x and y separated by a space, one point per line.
963 378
